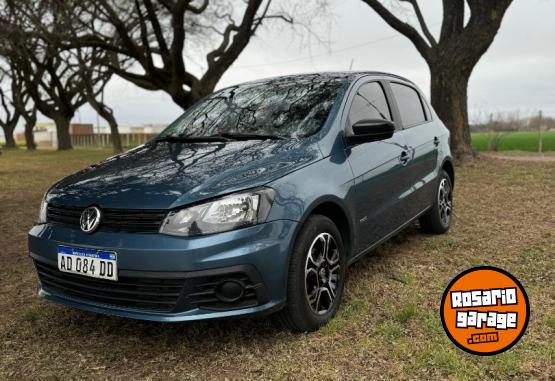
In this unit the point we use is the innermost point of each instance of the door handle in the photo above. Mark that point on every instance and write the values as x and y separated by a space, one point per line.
404 158
436 141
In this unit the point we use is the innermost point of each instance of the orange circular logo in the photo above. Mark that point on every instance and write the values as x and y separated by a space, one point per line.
485 310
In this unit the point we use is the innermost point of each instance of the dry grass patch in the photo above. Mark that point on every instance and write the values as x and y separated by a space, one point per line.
388 326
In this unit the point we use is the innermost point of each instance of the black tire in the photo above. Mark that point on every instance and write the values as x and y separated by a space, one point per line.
299 314
438 219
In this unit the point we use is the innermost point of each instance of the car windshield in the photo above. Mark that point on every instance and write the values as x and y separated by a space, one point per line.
282 107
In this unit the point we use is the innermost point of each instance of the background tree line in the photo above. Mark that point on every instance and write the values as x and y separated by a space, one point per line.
57 55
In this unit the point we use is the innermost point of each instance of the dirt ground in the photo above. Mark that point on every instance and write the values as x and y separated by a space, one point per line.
521 156
387 328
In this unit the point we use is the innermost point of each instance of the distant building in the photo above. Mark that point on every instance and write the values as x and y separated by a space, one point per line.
129 129
46 137
81 129
153 128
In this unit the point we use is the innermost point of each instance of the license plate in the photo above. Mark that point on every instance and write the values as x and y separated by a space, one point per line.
89 262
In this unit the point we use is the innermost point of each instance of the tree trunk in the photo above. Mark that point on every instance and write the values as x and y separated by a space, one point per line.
185 100
449 99
62 132
116 139
106 113
29 137
8 135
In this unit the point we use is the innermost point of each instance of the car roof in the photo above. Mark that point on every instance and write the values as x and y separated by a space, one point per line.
348 76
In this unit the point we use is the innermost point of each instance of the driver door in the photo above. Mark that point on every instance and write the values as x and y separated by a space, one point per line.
378 168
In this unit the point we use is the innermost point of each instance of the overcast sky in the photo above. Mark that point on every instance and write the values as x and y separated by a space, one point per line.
516 74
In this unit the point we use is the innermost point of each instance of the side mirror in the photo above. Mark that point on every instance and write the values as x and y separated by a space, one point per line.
371 130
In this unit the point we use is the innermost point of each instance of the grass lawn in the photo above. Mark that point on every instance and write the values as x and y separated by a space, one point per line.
387 328
519 141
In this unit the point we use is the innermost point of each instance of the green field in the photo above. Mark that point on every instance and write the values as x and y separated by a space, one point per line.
512 141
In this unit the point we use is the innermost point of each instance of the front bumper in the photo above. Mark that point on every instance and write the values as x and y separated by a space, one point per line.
256 257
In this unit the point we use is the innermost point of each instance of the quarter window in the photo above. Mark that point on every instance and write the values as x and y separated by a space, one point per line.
369 103
409 103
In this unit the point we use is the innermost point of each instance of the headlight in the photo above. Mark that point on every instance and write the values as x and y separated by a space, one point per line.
224 214
42 211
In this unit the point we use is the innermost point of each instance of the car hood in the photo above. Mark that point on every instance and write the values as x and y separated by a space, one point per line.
162 175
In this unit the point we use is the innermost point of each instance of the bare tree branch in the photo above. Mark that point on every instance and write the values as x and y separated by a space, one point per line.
157 34
422 22
404 28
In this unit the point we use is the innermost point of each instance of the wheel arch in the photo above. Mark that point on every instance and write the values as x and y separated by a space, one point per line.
448 167
335 209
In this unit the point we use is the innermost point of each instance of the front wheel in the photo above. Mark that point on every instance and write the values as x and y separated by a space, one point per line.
316 276
437 220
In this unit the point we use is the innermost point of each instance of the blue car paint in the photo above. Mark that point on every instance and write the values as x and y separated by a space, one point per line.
264 246
378 195
166 175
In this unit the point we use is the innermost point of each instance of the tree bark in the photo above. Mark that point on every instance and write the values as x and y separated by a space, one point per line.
449 100
8 135
106 113
116 139
29 137
62 132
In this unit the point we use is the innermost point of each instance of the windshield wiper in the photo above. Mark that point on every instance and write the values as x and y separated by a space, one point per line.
240 136
192 139
221 137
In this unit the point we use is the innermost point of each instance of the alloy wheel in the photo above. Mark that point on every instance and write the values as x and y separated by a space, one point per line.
322 273
445 201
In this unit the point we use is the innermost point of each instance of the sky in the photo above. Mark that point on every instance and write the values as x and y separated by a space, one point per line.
516 75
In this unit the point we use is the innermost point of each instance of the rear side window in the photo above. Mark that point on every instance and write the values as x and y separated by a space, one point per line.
409 103
369 103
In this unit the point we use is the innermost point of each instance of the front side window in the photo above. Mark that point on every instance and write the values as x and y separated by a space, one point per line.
409 104
369 103
285 107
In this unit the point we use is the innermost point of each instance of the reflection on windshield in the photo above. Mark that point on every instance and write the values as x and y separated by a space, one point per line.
287 107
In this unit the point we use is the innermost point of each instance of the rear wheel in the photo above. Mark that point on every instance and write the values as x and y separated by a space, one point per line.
438 219
316 276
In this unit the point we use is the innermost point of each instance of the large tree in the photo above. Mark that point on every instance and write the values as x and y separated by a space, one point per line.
43 70
16 103
451 57
53 76
91 62
9 115
162 39
23 103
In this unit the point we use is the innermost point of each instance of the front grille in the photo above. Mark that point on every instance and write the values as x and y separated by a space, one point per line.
130 292
131 220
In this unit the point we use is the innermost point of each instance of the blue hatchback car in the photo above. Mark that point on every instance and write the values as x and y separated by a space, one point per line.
256 200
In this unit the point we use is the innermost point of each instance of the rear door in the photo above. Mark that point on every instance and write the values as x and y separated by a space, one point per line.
377 167
422 141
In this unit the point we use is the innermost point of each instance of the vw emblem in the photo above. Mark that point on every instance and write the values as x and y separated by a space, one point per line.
90 218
